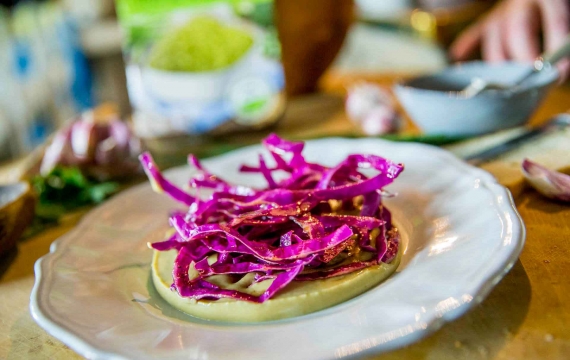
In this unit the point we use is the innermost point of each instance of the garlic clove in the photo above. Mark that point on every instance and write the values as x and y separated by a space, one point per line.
362 98
371 107
104 150
119 131
57 152
552 184
83 139
381 120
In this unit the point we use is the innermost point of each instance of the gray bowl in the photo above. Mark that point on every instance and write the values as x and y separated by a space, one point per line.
436 107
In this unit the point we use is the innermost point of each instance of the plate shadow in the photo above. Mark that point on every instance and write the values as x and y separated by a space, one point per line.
483 331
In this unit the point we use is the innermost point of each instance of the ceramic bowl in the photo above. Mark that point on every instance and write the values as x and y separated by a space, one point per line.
16 213
436 107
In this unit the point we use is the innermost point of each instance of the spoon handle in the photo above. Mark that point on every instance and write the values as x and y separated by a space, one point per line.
547 60
560 53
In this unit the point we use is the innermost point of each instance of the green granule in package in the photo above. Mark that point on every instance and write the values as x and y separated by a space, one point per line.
202 44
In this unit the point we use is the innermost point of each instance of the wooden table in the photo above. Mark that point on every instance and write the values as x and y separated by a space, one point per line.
526 316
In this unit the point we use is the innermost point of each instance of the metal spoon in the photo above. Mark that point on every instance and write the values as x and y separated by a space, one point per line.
556 123
544 61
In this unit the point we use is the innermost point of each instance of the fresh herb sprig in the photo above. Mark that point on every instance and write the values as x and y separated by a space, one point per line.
65 189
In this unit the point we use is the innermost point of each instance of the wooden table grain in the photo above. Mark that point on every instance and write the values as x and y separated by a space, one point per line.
526 316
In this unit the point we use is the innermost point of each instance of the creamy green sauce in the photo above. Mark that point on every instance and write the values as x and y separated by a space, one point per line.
202 44
298 298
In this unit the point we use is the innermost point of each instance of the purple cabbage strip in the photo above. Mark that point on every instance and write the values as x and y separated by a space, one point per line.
242 268
160 184
282 233
237 243
278 145
371 203
266 172
363 222
337 271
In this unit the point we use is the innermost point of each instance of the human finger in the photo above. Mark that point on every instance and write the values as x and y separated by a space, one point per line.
563 67
556 22
466 44
492 43
521 33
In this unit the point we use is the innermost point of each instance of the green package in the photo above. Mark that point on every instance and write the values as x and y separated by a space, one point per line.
201 66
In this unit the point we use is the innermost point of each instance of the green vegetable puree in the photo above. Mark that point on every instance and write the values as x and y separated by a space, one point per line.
203 44
298 298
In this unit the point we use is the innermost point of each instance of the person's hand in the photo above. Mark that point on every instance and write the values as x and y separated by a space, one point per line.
511 31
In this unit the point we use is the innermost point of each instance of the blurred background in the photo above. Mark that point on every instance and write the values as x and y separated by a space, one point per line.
59 58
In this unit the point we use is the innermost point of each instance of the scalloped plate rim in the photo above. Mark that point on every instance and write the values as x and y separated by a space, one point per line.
85 348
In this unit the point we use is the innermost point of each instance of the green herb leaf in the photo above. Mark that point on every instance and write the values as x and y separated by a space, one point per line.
65 189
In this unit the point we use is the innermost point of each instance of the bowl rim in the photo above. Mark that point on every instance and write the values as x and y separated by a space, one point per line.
22 187
404 84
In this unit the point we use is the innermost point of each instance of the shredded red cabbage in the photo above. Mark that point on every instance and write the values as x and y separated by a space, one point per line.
318 223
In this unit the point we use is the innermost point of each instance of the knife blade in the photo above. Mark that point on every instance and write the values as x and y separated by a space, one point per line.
556 123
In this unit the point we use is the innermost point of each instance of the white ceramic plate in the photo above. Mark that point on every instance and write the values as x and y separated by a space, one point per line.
460 230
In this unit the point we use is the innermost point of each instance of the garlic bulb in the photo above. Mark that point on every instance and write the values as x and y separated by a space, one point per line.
104 150
371 107
380 120
552 184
